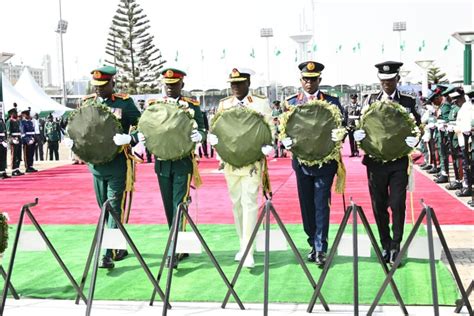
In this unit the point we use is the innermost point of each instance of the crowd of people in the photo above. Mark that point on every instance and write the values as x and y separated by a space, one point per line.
23 137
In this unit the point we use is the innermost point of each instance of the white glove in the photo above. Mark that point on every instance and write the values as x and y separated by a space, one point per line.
337 134
266 149
4 144
450 128
212 139
122 139
411 141
287 142
139 150
431 125
31 142
440 126
359 135
69 143
196 136
15 141
141 138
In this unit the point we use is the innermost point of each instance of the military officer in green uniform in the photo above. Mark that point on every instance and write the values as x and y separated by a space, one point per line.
53 136
458 99
110 178
174 177
3 149
14 134
441 134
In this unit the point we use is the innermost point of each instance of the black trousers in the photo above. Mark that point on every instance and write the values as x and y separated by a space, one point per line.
39 153
29 155
53 147
352 142
3 158
203 149
387 187
15 154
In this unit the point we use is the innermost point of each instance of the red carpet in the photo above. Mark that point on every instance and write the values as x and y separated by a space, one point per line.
66 195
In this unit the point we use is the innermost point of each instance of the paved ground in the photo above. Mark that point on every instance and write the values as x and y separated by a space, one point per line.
460 240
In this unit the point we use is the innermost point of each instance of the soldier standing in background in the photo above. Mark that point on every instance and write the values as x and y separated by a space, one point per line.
28 140
3 149
53 136
14 134
351 115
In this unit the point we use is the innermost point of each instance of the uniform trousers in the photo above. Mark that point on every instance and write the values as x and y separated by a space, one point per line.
108 187
29 151
387 186
15 154
53 147
243 190
3 158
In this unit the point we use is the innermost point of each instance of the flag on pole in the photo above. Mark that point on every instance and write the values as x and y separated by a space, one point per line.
383 48
223 54
339 48
447 44
296 55
252 53
202 54
176 57
422 46
315 48
402 46
277 51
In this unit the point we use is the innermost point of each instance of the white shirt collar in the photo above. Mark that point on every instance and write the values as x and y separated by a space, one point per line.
244 101
314 95
385 96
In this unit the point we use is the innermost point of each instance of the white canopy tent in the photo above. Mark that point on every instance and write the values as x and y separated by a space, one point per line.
28 87
11 95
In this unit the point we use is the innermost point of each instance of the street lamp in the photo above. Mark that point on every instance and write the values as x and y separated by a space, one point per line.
404 73
425 65
400 27
61 29
466 38
267 33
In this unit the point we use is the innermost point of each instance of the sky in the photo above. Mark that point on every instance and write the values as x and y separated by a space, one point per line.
349 36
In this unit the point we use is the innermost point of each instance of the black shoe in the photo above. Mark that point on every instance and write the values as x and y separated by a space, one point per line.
427 167
393 256
106 263
423 165
320 258
463 192
4 176
386 256
454 185
168 262
470 203
441 179
182 256
17 173
118 255
433 170
30 170
312 255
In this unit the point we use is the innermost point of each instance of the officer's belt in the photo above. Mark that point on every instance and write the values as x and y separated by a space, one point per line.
30 133
2 134
16 134
353 116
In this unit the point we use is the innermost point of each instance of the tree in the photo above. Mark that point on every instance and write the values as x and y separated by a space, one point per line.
131 46
435 76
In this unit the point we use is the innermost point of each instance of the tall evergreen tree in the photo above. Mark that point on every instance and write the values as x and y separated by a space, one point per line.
133 53
435 76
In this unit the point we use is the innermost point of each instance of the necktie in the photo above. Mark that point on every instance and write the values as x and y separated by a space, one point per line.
311 97
390 98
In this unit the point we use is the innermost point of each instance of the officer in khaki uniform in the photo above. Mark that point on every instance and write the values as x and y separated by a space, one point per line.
174 177
244 183
110 178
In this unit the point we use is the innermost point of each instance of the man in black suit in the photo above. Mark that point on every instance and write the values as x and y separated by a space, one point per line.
388 180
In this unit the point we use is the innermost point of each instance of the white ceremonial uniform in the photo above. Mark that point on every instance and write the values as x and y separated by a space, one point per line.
244 183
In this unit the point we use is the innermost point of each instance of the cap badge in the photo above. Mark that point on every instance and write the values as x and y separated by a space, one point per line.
235 73
96 74
310 66
169 73
386 68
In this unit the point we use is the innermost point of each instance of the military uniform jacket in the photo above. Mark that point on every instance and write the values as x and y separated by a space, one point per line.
409 103
257 103
331 166
182 166
444 110
3 131
123 107
27 131
13 129
52 131
351 114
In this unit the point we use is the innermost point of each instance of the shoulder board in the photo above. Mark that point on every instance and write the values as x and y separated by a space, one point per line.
90 96
407 95
259 96
191 100
226 98
291 97
151 101
124 96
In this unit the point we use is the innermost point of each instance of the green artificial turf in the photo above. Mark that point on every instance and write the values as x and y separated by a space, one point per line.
37 274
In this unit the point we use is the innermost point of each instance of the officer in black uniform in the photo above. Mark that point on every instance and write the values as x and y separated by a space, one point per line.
351 114
3 149
388 181
14 134
28 140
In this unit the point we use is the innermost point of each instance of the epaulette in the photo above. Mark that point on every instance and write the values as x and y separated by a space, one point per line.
291 97
124 96
90 96
407 95
151 101
191 100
